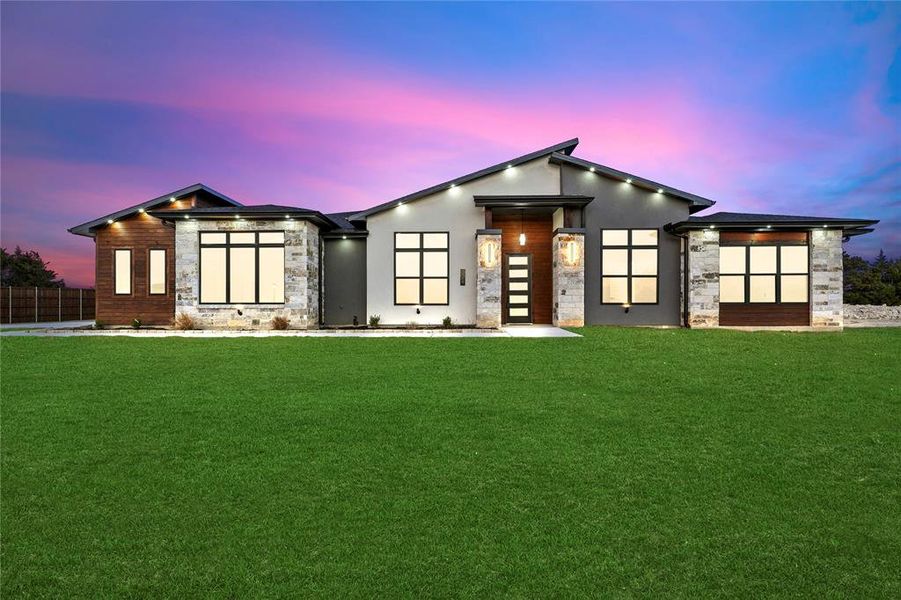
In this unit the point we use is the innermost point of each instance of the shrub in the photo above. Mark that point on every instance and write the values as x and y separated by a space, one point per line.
374 320
184 321
99 325
279 322
447 322
136 323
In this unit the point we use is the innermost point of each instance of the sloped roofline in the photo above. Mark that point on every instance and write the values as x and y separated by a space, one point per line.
87 229
696 202
767 222
563 148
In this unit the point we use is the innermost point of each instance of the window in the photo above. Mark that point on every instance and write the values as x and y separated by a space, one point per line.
242 267
421 266
755 274
122 272
629 266
156 272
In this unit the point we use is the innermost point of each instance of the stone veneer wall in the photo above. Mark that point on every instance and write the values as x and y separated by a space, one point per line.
568 281
704 278
488 281
826 278
301 276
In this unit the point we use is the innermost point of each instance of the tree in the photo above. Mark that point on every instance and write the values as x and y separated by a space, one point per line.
877 282
26 268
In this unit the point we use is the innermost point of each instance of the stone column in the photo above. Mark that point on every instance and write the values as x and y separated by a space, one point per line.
488 278
703 278
826 285
569 277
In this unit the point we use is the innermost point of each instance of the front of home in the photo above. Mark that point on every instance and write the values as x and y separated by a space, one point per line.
542 238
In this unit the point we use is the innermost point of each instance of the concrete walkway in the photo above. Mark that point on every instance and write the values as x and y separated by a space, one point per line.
518 331
47 325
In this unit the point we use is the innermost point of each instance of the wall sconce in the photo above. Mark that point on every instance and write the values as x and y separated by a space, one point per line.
489 254
572 253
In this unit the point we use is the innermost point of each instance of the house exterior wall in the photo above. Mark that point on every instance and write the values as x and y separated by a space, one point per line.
139 233
488 278
569 280
454 211
344 281
620 205
301 305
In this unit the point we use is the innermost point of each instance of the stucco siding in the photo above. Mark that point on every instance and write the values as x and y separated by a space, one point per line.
454 211
621 205
344 281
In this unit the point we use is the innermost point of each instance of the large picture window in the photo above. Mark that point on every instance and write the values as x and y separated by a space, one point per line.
629 266
242 267
761 274
421 266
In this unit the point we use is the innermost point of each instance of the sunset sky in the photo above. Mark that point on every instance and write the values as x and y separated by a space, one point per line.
792 108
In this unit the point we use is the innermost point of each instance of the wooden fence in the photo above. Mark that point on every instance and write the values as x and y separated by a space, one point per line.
37 305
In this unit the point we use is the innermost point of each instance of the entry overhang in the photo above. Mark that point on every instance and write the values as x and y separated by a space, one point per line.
538 201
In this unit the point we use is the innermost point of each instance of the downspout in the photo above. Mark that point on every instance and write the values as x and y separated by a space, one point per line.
319 291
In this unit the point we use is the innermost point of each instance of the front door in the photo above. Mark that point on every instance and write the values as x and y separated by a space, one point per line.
519 288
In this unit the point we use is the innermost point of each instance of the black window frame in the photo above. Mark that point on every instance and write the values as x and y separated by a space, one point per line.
777 274
256 245
422 277
131 272
165 252
629 246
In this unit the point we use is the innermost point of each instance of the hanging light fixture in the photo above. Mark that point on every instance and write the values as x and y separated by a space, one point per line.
522 234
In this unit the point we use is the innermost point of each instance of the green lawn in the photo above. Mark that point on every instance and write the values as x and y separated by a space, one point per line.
627 463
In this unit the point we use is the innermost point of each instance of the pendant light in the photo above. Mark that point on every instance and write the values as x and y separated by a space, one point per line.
522 234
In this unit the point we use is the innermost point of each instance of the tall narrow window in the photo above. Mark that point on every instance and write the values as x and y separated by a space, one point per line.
122 272
421 268
629 266
764 273
157 272
242 267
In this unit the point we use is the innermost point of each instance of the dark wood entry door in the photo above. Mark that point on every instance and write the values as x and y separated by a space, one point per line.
518 269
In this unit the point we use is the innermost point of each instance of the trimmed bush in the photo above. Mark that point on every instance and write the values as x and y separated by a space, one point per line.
279 322
184 321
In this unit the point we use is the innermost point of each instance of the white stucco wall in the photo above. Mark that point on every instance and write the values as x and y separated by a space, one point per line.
454 211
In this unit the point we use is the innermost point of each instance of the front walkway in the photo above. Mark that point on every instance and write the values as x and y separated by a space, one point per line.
47 325
515 331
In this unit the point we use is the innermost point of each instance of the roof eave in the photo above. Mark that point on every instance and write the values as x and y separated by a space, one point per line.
697 202
563 148
762 225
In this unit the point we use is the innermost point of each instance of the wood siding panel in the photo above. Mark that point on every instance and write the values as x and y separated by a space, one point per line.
539 234
762 237
139 233
764 314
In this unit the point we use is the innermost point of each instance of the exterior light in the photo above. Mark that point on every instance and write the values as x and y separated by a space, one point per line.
453 185
522 239
825 226
400 203
187 217
237 216
591 169
629 180
489 250
140 210
287 216
713 227
509 166
659 190
343 237
172 199
769 226
109 221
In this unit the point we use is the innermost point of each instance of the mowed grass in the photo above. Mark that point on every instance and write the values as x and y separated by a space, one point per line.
626 463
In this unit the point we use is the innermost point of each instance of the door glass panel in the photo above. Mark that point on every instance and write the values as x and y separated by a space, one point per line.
519 260
519 273
519 299
519 286
519 312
